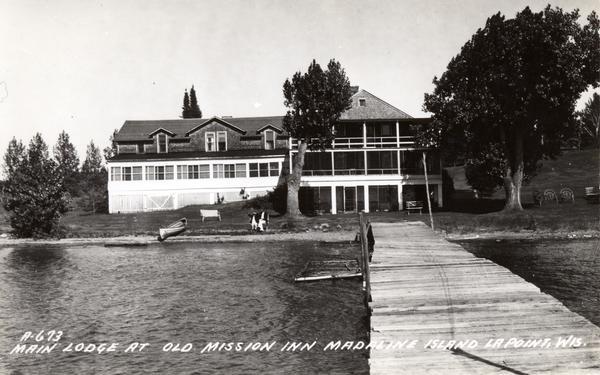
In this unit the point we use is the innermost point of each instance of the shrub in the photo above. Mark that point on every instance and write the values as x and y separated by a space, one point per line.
274 200
34 193
258 203
278 198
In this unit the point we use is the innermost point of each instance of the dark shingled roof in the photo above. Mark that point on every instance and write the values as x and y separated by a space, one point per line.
374 109
134 130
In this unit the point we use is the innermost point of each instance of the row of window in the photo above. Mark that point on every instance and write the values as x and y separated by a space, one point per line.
377 162
195 171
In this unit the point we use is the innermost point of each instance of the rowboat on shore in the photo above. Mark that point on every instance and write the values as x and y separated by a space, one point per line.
173 229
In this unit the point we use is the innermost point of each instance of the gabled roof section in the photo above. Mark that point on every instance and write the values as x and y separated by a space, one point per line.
161 130
139 131
135 130
373 109
269 126
217 120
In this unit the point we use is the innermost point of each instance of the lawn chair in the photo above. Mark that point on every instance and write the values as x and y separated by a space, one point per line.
566 195
538 197
550 195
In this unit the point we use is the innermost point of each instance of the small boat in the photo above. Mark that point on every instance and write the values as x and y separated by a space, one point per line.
172 230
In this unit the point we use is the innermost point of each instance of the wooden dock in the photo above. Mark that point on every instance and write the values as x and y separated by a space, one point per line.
425 288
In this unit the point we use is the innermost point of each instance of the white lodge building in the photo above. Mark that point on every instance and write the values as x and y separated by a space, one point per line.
373 164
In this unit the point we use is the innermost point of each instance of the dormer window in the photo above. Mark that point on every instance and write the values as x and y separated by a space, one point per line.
221 141
216 141
210 142
269 140
162 142
362 102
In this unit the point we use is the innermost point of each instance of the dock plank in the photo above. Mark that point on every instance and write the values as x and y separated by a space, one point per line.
425 288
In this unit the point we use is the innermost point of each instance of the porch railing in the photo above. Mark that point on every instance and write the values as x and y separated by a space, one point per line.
369 142
370 171
317 172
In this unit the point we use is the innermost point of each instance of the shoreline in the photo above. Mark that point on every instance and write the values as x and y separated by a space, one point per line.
342 236
524 235
144 240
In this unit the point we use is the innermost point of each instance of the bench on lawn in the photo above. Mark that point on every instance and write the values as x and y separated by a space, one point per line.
210 213
592 194
414 206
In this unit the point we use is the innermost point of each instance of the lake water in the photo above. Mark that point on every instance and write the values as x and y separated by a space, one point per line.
568 270
181 293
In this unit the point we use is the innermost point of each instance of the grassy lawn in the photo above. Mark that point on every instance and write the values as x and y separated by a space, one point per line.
565 217
575 169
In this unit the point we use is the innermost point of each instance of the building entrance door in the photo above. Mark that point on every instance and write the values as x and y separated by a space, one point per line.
350 198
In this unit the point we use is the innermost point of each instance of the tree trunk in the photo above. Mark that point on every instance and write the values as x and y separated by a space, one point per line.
513 178
293 182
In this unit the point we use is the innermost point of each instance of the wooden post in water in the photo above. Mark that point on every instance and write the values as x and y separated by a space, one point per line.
364 252
427 190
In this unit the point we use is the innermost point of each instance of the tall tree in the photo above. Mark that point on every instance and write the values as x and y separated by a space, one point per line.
505 99
195 111
94 180
111 150
15 155
185 110
67 161
93 160
589 122
34 193
315 101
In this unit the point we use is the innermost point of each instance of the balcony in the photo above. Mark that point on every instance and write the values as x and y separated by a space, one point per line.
341 143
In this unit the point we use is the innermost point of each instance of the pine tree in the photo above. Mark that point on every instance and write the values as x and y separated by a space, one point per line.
111 150
68 162
34 193
94 181
185 113
93 160
14 157
195 111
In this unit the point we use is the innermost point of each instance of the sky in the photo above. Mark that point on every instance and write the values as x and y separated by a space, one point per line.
87 66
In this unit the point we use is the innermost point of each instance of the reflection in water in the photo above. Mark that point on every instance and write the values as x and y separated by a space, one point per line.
567 270
34 278
179 293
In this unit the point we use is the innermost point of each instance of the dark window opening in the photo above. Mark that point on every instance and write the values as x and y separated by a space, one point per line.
317 164
162 143
349 163
383 198
315 200
269 140
382 162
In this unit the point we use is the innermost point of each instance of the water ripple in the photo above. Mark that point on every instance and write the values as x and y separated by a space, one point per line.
178 293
